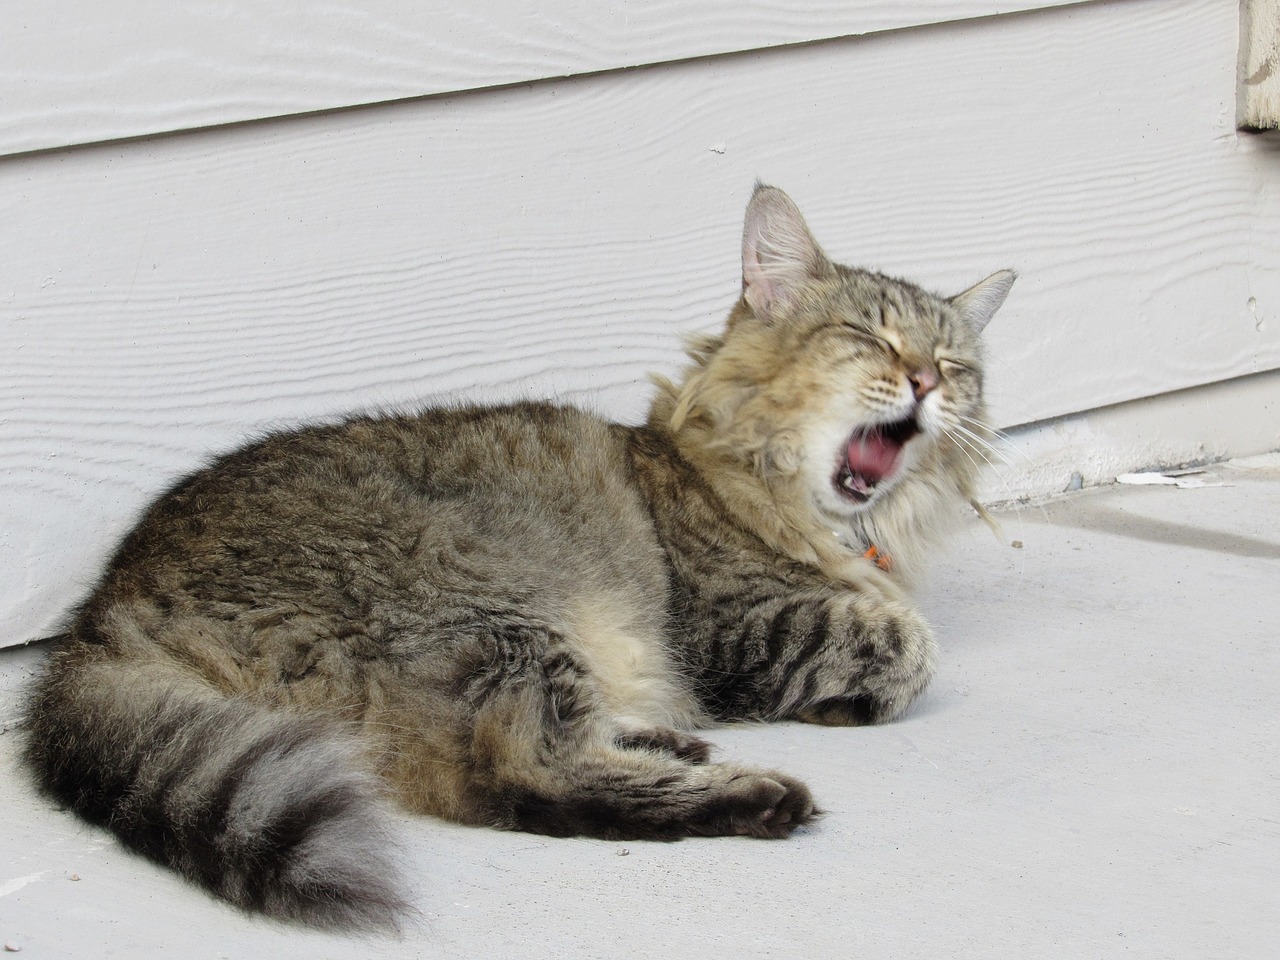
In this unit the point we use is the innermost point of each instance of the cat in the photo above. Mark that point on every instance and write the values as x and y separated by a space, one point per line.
513 615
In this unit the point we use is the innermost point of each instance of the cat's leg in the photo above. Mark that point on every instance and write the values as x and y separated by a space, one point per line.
678 743
547 758
627 794
839 659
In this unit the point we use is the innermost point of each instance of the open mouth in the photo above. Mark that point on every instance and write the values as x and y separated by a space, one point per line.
873 455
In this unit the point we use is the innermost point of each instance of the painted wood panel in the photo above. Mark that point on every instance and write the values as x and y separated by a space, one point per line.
84 71
1258 100
160 300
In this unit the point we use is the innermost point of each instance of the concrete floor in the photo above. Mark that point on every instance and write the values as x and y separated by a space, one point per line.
1093 774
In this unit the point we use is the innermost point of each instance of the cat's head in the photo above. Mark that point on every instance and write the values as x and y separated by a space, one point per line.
840 381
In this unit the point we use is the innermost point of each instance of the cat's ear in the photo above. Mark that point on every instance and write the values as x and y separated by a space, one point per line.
779 254
979 303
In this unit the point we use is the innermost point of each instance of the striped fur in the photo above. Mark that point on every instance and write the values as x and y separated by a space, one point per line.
511 616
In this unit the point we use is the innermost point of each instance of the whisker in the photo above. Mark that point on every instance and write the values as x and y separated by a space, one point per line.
976 440
997 435
964 446
984 444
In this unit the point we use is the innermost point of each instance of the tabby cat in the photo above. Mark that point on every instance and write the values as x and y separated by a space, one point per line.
511 615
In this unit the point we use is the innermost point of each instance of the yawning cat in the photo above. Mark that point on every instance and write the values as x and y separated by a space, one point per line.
512 615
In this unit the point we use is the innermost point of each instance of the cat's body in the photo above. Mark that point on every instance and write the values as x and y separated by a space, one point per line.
509 615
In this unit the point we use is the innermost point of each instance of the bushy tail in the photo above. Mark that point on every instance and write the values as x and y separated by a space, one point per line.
268 810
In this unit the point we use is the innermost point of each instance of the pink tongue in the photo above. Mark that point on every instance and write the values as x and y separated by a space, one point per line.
873 456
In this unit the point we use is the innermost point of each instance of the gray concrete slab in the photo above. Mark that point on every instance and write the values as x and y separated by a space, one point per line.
1094 774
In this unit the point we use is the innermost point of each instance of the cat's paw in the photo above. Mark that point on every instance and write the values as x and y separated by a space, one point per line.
902 664
886 661
766 805
855 712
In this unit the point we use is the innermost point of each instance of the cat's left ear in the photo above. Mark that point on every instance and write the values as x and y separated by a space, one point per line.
979 303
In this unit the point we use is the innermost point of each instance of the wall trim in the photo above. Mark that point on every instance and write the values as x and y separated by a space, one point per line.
1232 418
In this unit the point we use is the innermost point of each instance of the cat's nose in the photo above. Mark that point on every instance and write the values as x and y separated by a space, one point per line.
923 382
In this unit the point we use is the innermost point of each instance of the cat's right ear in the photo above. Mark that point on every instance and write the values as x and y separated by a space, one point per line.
779 254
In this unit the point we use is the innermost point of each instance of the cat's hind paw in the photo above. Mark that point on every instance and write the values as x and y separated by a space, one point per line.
765 805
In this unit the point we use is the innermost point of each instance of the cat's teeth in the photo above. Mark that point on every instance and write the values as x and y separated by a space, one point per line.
857 483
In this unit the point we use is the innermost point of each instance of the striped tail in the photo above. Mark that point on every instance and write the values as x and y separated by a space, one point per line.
270 811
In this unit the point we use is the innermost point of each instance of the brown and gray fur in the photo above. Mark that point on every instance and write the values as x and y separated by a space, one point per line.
510 616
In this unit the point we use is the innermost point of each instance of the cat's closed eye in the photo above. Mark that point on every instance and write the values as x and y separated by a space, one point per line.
880 341
950 367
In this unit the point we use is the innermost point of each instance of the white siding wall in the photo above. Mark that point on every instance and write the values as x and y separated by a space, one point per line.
80 71
160 298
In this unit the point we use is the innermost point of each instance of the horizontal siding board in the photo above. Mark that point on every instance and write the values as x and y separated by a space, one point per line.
86 71
160 300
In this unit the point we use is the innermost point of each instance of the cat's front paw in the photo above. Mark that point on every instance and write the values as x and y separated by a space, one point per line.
886 661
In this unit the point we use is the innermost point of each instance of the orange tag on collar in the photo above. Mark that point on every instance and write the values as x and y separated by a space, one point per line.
881 560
